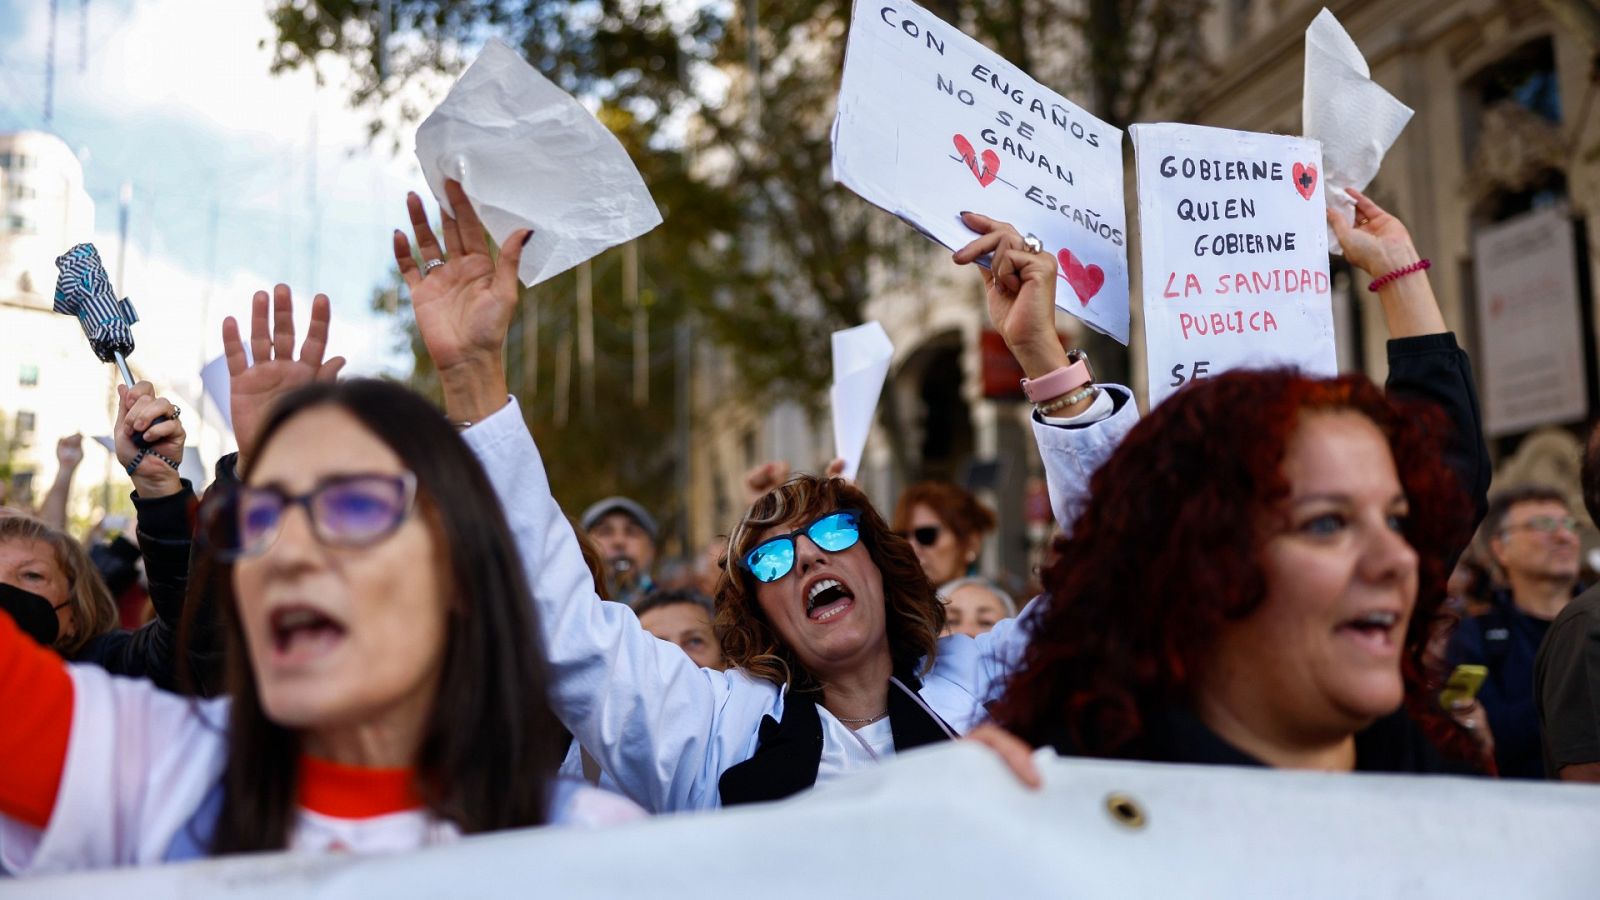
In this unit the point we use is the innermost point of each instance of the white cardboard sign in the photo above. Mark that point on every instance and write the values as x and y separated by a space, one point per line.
1235 250
931 123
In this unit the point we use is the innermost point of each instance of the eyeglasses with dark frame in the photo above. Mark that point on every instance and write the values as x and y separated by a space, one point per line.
353 510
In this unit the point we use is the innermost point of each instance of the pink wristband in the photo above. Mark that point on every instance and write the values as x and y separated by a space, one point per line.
1399 273
1061 381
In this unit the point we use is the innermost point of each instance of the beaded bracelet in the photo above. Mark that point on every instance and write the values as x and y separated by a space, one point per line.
1083 393
1399 273
139 458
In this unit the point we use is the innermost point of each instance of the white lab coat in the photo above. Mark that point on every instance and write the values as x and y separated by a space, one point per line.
662 728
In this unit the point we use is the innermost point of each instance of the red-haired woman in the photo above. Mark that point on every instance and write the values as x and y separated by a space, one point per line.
1263 593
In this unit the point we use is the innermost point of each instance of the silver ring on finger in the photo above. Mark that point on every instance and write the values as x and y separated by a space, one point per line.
1033 243
1470 725
177 412
430 265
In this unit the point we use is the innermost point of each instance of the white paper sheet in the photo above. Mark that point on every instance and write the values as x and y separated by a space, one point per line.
530 156
1354 118
1233 240
931 123
860 364
216 384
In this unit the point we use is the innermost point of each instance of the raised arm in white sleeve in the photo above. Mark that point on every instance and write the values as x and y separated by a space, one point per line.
661 726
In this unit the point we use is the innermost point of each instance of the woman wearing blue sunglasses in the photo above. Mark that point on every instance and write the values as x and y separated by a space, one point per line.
831 626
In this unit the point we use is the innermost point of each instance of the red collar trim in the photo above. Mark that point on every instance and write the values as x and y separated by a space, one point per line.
355 792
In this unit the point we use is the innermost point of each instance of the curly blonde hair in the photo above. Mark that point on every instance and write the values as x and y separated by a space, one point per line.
92 607
914 614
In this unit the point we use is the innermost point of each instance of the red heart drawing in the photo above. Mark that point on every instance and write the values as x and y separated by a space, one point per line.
1305 179
1086 281
991 162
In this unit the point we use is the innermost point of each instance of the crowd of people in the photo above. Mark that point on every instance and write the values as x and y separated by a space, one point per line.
378 630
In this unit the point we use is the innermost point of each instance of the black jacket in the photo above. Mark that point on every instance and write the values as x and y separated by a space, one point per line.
1433 369
151 650
166 527
1506 640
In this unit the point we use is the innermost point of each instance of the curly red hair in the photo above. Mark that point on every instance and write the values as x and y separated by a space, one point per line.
1167 552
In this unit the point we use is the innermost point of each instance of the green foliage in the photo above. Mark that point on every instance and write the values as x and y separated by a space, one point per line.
728 117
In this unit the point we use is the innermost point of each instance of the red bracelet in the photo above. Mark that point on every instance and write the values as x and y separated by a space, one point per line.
1399 273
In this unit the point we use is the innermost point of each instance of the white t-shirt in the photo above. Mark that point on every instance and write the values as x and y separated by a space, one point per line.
844 750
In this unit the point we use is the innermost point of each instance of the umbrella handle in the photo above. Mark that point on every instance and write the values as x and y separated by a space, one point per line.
127 378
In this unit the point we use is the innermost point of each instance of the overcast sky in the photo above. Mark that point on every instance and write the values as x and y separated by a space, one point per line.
175 97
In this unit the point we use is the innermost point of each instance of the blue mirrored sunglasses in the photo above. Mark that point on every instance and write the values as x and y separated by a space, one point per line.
774 558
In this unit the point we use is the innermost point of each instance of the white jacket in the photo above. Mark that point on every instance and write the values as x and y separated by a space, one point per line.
663 728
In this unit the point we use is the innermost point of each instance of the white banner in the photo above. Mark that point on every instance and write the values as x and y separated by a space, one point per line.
932 123
952 822
1532 361
1235 250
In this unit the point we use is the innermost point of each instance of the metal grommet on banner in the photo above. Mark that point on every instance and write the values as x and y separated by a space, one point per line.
1033 243
1125 810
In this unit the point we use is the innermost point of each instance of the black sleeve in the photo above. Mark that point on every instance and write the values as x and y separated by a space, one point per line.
1432 368
151 650
1569 691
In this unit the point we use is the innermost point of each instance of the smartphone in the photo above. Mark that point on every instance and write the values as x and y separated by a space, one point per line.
1463 685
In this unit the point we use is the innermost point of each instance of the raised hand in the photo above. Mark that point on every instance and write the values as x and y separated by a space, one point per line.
763 478
69 452
1021 288
154 472
464 306
255 384
1378 243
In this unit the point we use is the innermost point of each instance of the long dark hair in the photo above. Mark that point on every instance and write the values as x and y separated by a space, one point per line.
1168 552
491 743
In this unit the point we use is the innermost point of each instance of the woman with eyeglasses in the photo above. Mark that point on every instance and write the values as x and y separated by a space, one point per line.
946 525
829 624
386 687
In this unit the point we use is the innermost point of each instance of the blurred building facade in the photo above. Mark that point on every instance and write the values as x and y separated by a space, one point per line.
47 389
1495 177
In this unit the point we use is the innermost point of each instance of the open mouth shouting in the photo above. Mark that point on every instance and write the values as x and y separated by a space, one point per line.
827 598
302 634
1378 632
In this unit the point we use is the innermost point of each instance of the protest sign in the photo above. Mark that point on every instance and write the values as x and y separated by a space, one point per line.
951 821
1235 248
931 123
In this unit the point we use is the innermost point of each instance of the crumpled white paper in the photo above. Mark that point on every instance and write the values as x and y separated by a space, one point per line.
530 156
860 364
1356 120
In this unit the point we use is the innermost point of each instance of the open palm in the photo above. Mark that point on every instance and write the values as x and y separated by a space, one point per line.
255 384
464 306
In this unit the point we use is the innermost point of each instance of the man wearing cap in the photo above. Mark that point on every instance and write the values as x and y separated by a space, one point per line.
626 536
